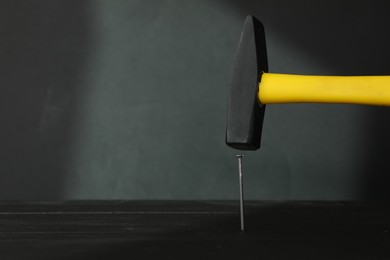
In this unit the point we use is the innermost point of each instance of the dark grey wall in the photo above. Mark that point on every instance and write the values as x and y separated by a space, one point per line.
127 100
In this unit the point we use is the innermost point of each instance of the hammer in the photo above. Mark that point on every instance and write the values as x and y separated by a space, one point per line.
252 87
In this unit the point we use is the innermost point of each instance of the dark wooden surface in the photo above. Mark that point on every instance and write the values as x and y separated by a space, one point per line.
193 230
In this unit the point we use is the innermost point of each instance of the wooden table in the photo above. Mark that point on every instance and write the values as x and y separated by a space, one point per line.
193 230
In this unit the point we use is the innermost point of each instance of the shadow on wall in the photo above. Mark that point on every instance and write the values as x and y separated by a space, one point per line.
43 48
348 38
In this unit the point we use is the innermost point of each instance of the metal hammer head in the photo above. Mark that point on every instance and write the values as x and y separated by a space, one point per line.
245 113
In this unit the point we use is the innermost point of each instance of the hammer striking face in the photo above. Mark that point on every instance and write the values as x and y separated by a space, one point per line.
251 88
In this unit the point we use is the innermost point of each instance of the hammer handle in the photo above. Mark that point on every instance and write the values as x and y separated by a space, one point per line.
287 88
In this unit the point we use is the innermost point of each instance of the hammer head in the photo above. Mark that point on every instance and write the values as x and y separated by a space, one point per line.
245 113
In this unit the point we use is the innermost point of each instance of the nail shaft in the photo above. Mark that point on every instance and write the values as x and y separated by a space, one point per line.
241 185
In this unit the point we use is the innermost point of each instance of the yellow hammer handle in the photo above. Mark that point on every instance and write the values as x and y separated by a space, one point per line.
287 88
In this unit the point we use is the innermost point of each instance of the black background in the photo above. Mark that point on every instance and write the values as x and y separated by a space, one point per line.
127 100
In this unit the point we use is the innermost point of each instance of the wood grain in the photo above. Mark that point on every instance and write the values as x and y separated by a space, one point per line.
193 230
